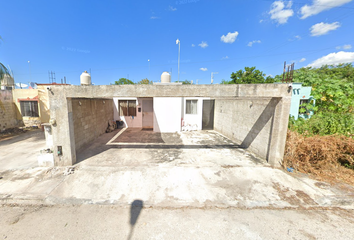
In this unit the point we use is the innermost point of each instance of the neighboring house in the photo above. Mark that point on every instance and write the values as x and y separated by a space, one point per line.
26 106
300 95
30 106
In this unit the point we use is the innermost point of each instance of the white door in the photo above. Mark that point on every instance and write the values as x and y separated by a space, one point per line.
148 113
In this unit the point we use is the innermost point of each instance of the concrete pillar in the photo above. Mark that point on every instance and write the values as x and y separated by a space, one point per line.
63 130
279 132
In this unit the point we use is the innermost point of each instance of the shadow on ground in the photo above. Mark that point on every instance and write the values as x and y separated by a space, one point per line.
33 134
135 209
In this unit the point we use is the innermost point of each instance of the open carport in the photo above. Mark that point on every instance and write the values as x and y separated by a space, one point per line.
253 116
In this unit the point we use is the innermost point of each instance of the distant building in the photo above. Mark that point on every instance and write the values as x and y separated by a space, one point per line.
300 95
18 107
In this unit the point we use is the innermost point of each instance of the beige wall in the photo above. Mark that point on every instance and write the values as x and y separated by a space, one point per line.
90 117
24 94
43 109
43 104
7 110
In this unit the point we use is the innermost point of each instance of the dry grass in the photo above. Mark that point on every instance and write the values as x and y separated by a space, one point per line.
323 157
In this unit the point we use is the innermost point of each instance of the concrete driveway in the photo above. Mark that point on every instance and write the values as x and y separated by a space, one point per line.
192 185
21 151
200 168
188 169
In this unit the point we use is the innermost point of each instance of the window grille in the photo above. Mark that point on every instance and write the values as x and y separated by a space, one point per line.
29 108
127 107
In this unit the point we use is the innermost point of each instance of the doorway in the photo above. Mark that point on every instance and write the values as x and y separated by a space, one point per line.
148 113
208 115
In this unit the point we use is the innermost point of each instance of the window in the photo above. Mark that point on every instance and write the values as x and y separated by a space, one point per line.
127 107
191 106
29 108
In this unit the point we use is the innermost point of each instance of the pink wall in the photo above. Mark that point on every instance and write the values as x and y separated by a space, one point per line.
130 122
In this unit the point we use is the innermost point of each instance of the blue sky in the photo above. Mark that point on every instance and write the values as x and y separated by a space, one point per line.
115 39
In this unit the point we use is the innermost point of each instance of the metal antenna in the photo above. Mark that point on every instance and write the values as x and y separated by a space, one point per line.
287 74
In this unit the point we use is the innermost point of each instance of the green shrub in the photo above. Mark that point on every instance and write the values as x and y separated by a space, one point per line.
325 123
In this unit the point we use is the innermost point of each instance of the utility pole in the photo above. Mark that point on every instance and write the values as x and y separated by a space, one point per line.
212 76
29 64
149 69
179 53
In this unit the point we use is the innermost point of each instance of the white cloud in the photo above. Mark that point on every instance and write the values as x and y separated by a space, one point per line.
193 45
333 59
203 44
302 60
253 42
322 28
281 13
319 6
203 69
170 8
154 17
345 47
229 38
260 21
226 57
297 37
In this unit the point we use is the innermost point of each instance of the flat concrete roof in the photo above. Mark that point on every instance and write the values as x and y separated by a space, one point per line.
146 90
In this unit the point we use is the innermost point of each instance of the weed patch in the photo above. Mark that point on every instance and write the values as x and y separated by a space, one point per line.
329 158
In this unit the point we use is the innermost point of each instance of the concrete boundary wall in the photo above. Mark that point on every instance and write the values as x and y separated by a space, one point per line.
234 96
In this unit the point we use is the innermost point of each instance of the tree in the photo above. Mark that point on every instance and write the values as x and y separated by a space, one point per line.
123 81
249 75
145 81
269 79
224 82
332 87
3 70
